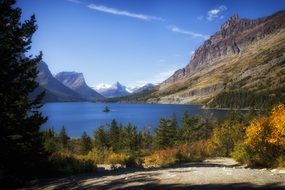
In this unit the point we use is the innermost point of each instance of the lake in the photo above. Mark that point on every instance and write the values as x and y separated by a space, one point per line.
78 117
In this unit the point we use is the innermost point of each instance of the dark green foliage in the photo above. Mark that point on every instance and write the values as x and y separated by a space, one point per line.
188 125
50 140
101 138
166 133
66 164
106 109
63 137
122 138
114 135
85 143
146 139
131 142
195 128
20 140
248 99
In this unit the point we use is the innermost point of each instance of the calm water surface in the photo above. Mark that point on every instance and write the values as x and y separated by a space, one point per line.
78 117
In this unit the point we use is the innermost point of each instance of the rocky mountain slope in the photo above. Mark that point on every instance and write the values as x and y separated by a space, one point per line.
115 90
243 55
55 90
145 87
76 82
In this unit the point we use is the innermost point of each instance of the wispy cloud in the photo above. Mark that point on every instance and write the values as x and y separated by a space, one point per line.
158 77
119 12
75 1
216 13
163 75
174 28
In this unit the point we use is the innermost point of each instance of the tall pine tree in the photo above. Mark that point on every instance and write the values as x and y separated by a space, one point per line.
20 121
114 135
85 143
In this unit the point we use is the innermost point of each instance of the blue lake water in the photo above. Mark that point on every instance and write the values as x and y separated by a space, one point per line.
78 117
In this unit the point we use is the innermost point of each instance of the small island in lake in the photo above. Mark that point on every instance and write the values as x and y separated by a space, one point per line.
106 109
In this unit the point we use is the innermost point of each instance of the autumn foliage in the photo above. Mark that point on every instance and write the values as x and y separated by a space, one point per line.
264 142
195 151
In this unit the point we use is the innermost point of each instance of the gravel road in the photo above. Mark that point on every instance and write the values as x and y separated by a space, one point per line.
216 173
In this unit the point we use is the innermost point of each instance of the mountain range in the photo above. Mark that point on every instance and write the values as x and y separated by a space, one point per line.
71 86
76 82
111 91
241 65
55 90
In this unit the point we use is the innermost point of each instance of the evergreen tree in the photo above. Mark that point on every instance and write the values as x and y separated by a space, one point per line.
189 125
131 141
85 143
206 126
21 144
163 134
146 139
63 137
101 139
50 140
173 130
114 135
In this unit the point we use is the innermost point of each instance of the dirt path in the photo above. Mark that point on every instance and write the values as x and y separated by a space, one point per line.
217 173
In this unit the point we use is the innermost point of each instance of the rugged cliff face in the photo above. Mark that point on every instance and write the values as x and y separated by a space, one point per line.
76 82
232 38
55 90
242 50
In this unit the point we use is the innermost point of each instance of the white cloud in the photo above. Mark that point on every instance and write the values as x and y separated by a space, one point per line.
174 28
115 11
215 13
156 78
102 86
75 1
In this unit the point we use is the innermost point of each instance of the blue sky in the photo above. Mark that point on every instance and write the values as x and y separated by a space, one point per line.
131 41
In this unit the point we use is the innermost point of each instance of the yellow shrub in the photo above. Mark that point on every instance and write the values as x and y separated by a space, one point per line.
264 143
117 158
161 158
277 124
195 151
67 163
108 157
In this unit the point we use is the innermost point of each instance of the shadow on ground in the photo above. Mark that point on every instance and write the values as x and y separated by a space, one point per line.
140 180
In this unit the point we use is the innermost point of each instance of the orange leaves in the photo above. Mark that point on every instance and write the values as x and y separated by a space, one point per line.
257 131
163 157
264 143
269 129
195 151
277 123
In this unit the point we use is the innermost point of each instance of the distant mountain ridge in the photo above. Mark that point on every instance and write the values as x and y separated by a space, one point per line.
76 82
148 86
111 91
244 55
232 38
55 90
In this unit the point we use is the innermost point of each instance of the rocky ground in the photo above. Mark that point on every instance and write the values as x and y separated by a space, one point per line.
216 173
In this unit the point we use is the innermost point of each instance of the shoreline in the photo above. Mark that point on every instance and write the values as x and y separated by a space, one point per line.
166 103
